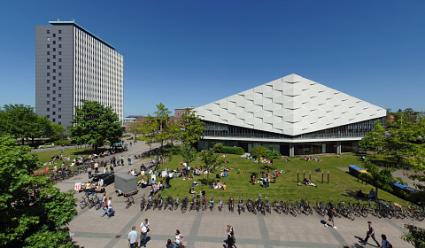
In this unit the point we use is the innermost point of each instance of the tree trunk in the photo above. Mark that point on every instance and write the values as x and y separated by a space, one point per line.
376 192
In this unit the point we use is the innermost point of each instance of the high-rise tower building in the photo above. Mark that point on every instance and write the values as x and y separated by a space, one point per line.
74 65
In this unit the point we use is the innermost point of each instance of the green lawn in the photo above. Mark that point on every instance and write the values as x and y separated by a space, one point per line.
46 156
286 187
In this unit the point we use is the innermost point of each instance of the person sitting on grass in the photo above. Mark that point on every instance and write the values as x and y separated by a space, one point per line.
308 182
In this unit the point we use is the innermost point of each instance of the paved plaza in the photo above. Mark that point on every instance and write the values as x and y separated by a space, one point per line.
206 229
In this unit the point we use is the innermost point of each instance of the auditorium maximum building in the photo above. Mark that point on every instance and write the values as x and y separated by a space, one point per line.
293 115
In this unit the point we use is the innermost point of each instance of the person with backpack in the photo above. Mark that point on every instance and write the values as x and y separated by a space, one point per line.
230 241
385 243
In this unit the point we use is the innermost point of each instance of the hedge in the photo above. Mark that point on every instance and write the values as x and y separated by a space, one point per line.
220 148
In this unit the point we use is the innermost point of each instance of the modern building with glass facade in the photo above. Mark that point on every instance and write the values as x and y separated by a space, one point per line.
74 65
293 115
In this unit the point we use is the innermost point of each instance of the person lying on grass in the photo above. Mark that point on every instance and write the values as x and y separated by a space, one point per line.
308 182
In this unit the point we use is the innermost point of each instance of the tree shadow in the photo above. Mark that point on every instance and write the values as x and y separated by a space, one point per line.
354 194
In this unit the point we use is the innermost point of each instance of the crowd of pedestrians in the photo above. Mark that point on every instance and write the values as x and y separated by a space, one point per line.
177 242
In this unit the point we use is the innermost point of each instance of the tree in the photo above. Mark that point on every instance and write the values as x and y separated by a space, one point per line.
148 127
191 128
374 140
415 236
135 128
211 161
188 153
33 212
95 124
162 115
21 122
18 120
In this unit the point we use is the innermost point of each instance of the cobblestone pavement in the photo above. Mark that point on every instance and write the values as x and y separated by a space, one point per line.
206 229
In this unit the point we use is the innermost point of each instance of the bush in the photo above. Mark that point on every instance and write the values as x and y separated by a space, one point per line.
258 152
220 148
63 142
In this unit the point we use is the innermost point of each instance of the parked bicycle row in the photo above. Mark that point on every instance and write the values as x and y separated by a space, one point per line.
380 209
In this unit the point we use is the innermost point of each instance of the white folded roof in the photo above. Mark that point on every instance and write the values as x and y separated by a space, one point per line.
291 105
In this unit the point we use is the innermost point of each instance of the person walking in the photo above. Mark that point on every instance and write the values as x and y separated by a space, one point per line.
370 233
230 240
385 243
132 237
179 240
169 244
104 201
331 215
144 229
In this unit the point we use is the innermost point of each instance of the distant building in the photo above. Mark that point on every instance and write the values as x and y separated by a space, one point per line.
178 112
73 65
293 115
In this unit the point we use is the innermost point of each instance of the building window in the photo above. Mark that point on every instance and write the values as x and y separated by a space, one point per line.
48 109
59 102
60 31
54 91
54 120
48 45
59 87
59 109
60 45
59 116
48 67
54 106
54 99
54 56
48 52
48 80
60 60
59 95
54 35
48 88
54 70
48 74
54 49
60 38
60 67
48 95
60 74
54 42
54 77
60 81
54 63
60 52
48 102
54 113
48 60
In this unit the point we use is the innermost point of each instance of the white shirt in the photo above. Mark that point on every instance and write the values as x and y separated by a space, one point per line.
109 204
179 238
144 225
132 236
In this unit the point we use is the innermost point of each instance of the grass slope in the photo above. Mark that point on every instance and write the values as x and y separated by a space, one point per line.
286 187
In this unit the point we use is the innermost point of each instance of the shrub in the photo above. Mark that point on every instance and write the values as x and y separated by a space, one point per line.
220 148
258 152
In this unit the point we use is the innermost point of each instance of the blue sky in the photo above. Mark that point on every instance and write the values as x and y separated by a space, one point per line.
189 53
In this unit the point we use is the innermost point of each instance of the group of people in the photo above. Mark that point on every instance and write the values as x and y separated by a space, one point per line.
107 206
144 238
177 242
370 233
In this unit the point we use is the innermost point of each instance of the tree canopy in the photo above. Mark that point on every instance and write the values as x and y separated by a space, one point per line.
33 212
96 124
22 123
191 128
